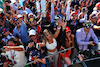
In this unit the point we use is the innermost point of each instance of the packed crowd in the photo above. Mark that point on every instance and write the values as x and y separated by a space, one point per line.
33 29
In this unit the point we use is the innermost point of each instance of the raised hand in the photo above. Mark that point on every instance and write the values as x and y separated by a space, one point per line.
91 43
31 44
64 24
52 1
4 5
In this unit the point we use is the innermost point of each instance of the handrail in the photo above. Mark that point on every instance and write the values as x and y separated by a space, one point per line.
89 59
48 56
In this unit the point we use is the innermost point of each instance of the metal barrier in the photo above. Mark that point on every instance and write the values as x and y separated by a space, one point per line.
49 56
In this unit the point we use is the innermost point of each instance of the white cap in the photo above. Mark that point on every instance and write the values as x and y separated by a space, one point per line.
32 32
31 14
82 20
1 10
19 15
57 17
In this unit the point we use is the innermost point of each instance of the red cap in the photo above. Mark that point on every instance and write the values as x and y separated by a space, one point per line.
55 9
98 5
67 29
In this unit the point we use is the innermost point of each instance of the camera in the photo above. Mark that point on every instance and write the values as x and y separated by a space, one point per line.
30 41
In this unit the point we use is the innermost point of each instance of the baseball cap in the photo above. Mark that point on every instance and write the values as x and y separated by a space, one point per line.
31 14
3 30
19 15
67 29
73 13
57 17
32 32
88 24
55 9
98 5
93 15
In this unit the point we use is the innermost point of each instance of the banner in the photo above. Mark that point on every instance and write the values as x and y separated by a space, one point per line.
43 5
21 2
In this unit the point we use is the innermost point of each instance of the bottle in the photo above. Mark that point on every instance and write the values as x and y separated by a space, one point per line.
99 48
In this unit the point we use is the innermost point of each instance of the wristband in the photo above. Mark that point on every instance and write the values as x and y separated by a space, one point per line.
59 28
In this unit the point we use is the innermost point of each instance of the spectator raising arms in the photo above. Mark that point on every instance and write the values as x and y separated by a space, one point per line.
51 43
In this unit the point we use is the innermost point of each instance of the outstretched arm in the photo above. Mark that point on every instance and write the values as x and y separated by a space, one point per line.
57 31
52 11
17 48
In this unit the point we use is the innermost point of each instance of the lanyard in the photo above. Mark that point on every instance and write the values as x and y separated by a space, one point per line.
12 54
19 33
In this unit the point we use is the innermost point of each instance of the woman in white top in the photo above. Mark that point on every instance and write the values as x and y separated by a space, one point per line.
51 44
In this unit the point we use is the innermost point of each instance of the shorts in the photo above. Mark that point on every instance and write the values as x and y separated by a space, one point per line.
67 54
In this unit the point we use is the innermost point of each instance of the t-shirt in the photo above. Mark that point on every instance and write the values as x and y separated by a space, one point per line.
5 39
18 57
21 33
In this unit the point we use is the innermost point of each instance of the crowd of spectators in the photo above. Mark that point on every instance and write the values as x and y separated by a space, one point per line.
33 29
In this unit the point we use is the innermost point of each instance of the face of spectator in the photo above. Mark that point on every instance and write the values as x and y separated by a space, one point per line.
74 17
56 12
94 20
48 35
58 21
7 3
6 33
33 37
11 43
18 24
34 23
83 3
20 19
68 33
80 16
86 10
98 8
98 15
1 22
87 29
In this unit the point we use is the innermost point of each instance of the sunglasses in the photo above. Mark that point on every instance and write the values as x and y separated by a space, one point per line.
48 34
68 32
74 15
17 23
19 17
31 35
31 15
